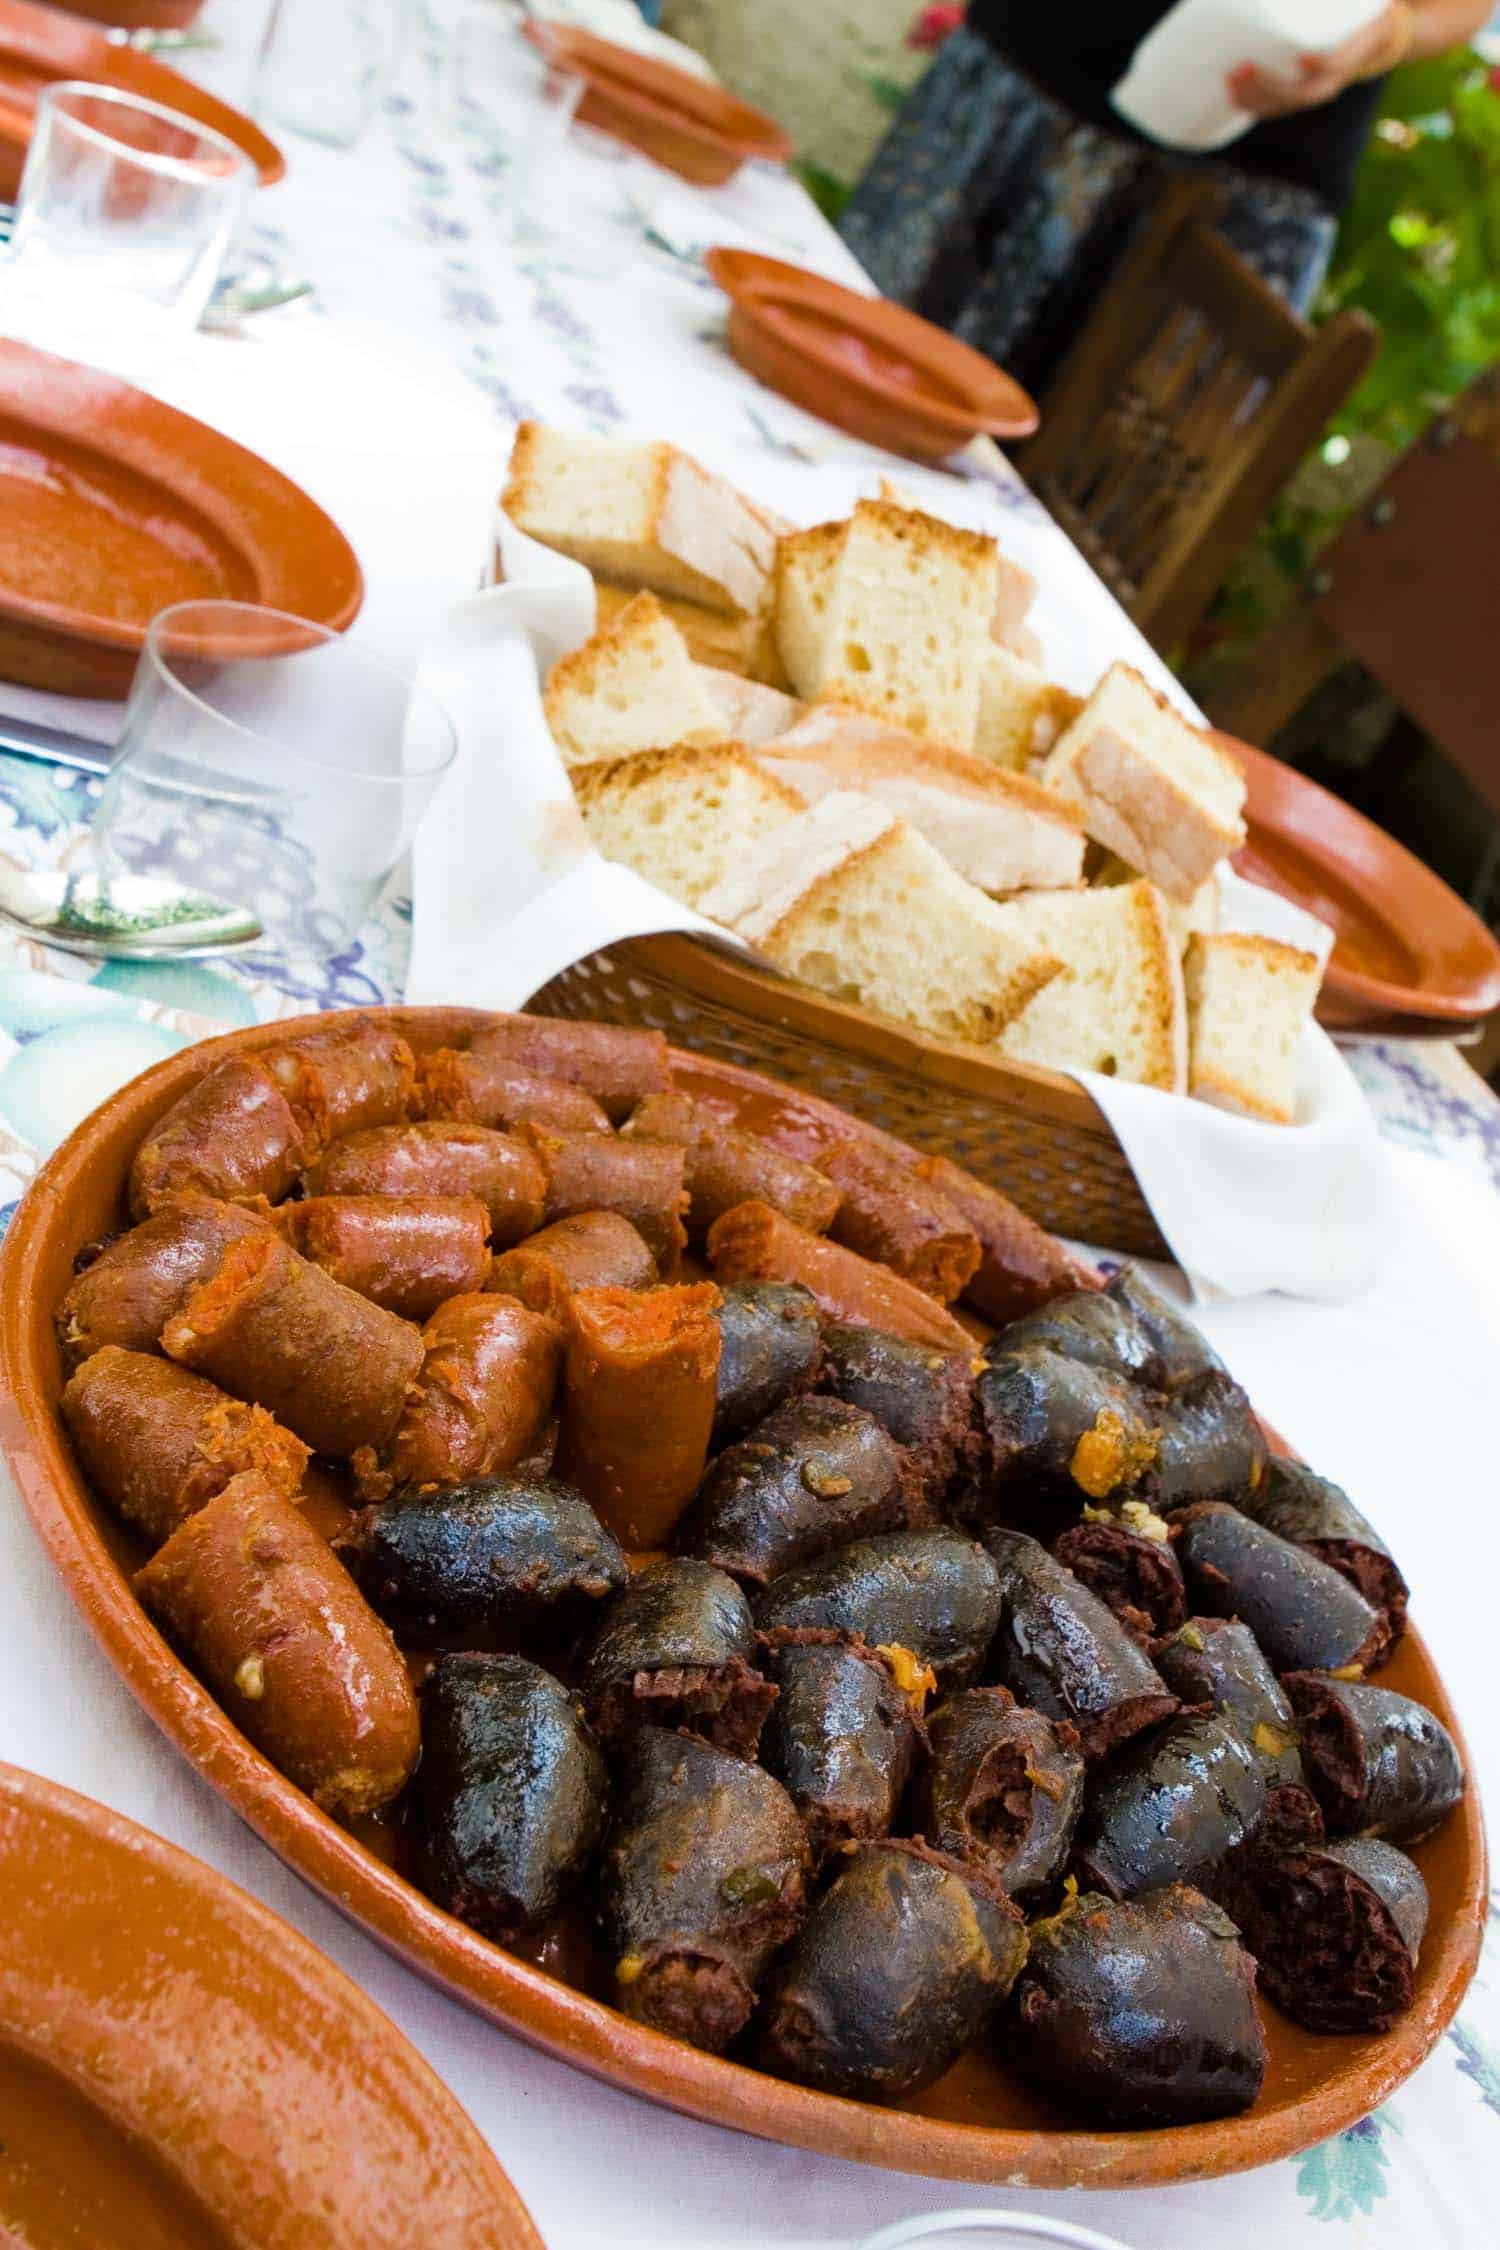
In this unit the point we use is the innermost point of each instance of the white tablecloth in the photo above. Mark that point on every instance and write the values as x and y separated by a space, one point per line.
1391 1394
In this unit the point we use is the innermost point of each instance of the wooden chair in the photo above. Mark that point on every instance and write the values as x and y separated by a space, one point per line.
1184 406
1406 588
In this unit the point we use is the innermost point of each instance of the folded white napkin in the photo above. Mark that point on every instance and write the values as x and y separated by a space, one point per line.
508 891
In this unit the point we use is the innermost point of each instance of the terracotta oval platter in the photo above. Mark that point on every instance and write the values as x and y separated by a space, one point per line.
873 368
976 2124
692 125
1404 943
136 15
179 2070
116 506
39 45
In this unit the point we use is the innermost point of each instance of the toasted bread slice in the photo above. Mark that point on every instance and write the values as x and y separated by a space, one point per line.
1119 1006
1200 912
752 712
732 644
1021 712
682 817
806 562
851 900
1163 794
631 687
909 613
643 515
1249 999
999 830
1015 588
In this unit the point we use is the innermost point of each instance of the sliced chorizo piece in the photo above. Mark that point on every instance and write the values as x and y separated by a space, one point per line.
409 1253
615 1063
481 1400
157 1442
890 1213
232 1135
592 1250
640 1390
439 1157
128 1292
644 1181
1021 1265
755 1243
276 1628
490 1089
273 1328
726 1166
344 1079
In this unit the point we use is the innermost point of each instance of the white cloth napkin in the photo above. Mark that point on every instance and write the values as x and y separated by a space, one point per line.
508 891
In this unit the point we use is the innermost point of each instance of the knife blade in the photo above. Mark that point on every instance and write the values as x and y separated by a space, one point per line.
31 738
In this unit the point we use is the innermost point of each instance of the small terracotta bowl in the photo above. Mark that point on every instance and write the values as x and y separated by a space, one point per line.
882 373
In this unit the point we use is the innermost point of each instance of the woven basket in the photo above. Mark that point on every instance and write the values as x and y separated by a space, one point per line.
1031 1132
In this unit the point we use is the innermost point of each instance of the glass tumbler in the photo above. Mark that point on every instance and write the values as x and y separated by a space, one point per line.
325 65
269 764
124 214
516 103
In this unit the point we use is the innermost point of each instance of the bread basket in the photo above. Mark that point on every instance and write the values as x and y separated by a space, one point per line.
1034 1133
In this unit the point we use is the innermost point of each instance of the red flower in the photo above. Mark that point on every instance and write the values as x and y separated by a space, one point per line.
1494 75
933 25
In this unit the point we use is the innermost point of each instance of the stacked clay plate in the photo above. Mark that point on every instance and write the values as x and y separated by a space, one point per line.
791 1597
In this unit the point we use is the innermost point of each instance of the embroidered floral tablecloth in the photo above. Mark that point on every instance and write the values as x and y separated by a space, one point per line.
601 315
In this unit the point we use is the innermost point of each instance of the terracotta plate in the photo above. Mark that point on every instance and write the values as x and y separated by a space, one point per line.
687 123
977 2123
179 2070
115 506
876 370
1405 943
136 15
38 45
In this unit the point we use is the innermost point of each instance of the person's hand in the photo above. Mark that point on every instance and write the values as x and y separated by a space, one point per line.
1319 78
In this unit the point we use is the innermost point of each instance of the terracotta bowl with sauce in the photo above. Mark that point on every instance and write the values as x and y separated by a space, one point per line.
979 2123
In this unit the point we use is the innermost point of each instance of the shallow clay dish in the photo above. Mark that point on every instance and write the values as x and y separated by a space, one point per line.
1405 945
689 124
38 45
876 370
115 506
179 2070
136 15
977 2123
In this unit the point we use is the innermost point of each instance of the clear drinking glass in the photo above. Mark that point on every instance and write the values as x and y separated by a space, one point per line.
267 763
124 214
506 97
325 65
989 2230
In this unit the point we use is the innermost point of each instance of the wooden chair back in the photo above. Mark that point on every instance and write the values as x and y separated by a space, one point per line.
1188 400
